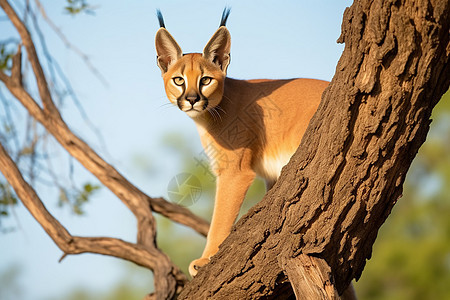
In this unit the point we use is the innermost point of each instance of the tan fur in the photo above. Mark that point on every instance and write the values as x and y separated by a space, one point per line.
247 127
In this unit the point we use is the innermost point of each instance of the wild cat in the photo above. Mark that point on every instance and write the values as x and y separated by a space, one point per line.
248 127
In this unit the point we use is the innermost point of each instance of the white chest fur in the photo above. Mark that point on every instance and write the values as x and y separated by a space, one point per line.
270 166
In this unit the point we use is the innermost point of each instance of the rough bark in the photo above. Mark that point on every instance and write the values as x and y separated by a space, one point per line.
348 173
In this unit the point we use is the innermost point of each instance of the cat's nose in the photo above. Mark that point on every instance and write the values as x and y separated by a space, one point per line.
192 98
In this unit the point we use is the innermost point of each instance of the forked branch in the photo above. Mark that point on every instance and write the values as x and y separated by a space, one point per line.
148 257
139 203
44 91
168 278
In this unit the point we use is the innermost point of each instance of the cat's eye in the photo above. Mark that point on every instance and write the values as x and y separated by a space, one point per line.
205 80
178 81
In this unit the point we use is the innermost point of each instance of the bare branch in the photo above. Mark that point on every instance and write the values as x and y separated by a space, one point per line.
4 77
132 197
54 69
135 200
149 257
179 214
168 279
103 171
44 92
16 70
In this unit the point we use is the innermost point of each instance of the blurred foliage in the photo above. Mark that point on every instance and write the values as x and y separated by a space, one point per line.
411 256
7 198
180 243
122 291
133 285
75 7
76 198
6 55
10 288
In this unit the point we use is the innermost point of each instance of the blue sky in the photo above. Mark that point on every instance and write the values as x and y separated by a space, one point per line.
270 39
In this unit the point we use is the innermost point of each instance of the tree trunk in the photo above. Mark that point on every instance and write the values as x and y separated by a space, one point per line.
316 227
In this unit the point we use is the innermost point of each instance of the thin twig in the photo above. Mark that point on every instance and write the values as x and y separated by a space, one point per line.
71 46
9 120
55 68
41 81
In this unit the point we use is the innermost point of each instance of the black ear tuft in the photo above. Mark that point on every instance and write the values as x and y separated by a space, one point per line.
225 14
161 19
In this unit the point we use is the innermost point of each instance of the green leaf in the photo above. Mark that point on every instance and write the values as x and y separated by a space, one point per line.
75 7
83 196
5 57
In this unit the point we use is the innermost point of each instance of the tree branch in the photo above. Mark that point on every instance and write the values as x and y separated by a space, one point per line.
16 70
133 198
44 92
167 277
149 257
103 171
179 214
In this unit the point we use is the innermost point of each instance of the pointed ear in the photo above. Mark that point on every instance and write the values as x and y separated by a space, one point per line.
167 49
218 48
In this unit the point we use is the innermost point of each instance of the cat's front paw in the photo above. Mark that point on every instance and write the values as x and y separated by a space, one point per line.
195 265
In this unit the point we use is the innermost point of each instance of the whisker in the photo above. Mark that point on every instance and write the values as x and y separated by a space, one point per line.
166 106
226 98
216 113
212 113
221 109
